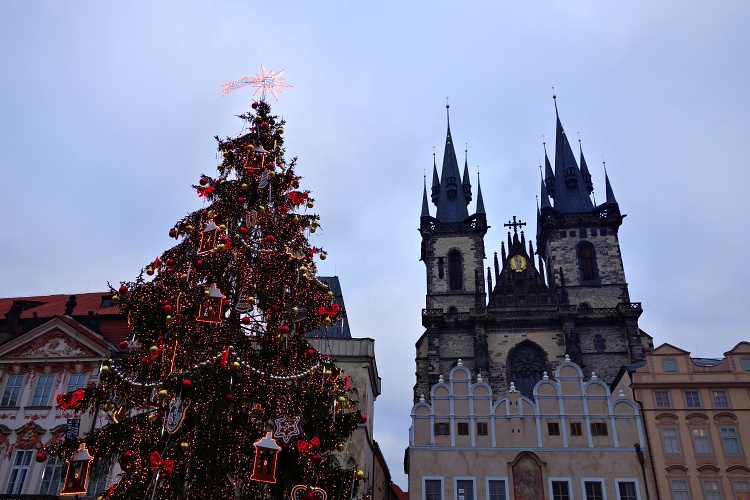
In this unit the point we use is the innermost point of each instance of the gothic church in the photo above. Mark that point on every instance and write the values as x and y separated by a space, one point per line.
516 321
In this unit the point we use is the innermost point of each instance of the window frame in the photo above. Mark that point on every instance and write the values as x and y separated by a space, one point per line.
669 365
724 439
73 387
439 427
553 428
564 480
51 477
689 401
438 479
465 479
745 364
462 428
723 403
672 489
12 401
674 440
703 438
455 269
627 480
587 267
482 429
745 491
490 479
659 398
42 393
599 429
717 481
576 429
15 486
593 480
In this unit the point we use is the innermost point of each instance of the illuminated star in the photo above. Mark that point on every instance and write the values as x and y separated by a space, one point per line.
265 81
285 428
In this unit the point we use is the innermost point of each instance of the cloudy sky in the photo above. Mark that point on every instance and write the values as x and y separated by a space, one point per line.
108 112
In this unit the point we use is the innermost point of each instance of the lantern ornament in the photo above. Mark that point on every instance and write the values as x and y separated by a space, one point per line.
78 472
266 454
208 238
255 158
211 305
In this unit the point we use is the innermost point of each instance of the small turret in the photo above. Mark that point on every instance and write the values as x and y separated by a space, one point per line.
435 181
548 185
466 181
480 199
585 171
425 203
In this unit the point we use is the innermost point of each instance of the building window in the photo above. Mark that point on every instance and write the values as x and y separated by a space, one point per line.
662 399
599 344
433 489
455 270
692 399
464 489
441 267
76 381
43 390
442 429
670 440
527 363
463 429
12 390
680 489
560 490
575 429
626 490
730 440
587 262
481 428
712 489
720 399
599 429
19 472
701 441
98 479
670 365
593 490
51 477
553 428
741 489
496 489
746 364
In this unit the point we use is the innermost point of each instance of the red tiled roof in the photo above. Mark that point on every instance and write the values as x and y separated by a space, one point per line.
400 494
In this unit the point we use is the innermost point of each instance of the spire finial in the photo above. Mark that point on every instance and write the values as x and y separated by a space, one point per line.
554 96
579 138
447 111
515 225
540 169
604 163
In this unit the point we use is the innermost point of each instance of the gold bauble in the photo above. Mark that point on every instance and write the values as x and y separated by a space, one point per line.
236 366
360 475
310 204
340 447
163 394
105 369
185 446
153 350
189 228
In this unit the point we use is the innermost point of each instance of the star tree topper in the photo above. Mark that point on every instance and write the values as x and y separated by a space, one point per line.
265 81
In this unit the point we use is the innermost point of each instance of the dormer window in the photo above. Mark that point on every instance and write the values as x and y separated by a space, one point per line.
670 365
107 301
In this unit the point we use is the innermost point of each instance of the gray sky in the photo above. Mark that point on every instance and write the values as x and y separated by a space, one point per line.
109 109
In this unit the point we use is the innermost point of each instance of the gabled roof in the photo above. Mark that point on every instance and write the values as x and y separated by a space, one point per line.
61 337
667 349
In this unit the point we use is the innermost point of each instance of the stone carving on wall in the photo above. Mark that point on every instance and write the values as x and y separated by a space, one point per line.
54 345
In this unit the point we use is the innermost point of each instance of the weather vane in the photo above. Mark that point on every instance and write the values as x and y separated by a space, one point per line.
265 81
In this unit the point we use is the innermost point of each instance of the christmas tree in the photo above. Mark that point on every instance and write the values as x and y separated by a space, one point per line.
220 396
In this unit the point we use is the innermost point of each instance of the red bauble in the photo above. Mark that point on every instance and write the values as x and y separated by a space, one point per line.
170 262
230 145
270 239
309 496
203 181
41 457
244 230
240 200
254 105
264 125
270 164
362 418
309 353
172 233
284 330
123 290
187 384
317 458
229 397
246 320
145 361
127 459
225 302
204 212
274 308
199 262
168 309
283 209
124 345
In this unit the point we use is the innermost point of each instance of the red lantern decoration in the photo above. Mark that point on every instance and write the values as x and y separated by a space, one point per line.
266 454
211 306
208 238
78 472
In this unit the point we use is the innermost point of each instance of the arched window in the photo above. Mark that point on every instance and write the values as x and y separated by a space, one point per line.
587 261
455 270
527 363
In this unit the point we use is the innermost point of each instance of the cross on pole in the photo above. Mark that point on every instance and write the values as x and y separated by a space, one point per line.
515 224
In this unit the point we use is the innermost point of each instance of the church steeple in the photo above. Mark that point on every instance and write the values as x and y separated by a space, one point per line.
425 203
571 194
466 182
548 184
610 194
480 199
451 203
585 170
435 180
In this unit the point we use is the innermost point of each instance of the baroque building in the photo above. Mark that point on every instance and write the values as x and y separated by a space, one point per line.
519 318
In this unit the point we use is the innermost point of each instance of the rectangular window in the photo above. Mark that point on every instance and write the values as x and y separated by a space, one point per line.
442 429
560 490
730 440
712 489
481 428
76 381
496 489
626 490
19 472
553 428
662 399
463 429
670 440
12 390
575 429
720 399
692 399
670 365
680 489
43 390
741 489
599 429
593 490
433 489
98 480
701 441
464 489
746 364
51 477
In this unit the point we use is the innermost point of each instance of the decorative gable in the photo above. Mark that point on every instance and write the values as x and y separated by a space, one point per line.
53 345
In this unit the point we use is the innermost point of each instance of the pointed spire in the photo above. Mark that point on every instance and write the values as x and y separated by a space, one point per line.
451 201
570 190
480 199
502 251
435 180
548 184
585 169
497 268
545 198
425 203
489 279
608 187
467 181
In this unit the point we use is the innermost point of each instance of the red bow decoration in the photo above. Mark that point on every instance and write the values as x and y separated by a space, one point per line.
307 447
72 400
330 311
157 462
297 198
205 191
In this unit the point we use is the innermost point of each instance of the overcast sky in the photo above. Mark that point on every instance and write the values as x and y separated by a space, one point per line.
108 112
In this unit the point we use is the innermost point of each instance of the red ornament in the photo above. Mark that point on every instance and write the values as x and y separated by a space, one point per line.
229 397
172 233
317 458
203 181
270 164
225 302
309 496
283 209
240 200
127 459
204 212
284 330
270 239
362 418
309 353
168 309
246 320
124 345
123 290
254 105
230 145
264 125
41 457
145 361
199 262
170 262
244 230
187 384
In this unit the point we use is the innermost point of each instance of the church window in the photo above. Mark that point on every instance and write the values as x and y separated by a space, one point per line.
553 428
527 363
587 261
463 429
441 268
599 343
455 270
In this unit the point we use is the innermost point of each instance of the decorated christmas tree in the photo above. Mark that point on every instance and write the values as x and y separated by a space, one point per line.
219 395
